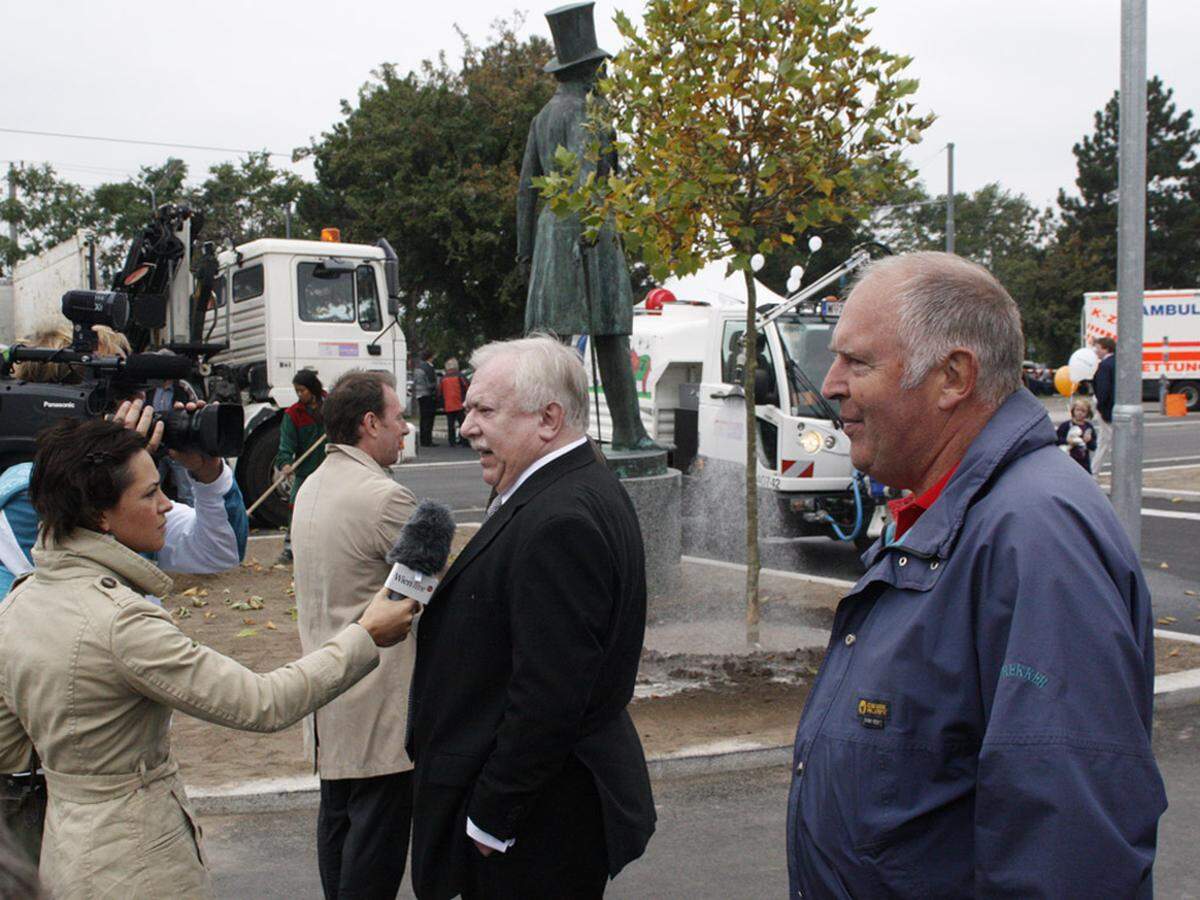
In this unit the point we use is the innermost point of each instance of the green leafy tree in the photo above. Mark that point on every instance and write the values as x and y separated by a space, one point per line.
1172 193
742 125
46 210
248 200
994 227
431 161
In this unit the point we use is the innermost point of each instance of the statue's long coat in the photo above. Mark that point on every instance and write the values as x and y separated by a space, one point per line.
557 301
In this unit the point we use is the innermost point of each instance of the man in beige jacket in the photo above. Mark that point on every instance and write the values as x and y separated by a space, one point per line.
347 517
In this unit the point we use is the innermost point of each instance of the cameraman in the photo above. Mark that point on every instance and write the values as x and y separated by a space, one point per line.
207 538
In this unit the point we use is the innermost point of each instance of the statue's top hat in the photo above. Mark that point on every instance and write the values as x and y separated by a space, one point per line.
574 34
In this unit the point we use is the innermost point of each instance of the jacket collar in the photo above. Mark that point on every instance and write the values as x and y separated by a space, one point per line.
534 485
1020 426
101 553
362 457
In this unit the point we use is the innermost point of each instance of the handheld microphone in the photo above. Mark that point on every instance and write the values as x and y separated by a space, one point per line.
420 552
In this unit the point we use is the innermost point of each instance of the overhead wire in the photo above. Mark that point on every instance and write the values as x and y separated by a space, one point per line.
114 140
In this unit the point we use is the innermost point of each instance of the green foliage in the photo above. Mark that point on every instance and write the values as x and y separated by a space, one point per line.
1172 193
248 200
741 125
430 160
47 210
241 202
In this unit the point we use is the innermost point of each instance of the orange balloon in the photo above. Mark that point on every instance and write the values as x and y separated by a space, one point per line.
1062 381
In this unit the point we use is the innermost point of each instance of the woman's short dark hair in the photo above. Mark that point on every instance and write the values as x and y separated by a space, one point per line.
81 469
308 378
353 396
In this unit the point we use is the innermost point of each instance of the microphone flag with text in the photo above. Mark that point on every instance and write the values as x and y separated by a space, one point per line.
420 552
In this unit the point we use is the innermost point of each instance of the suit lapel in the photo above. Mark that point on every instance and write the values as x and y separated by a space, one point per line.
538 482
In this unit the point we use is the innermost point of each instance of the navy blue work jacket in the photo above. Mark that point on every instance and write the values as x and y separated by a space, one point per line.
981 723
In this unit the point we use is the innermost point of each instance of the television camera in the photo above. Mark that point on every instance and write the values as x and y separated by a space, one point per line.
99 383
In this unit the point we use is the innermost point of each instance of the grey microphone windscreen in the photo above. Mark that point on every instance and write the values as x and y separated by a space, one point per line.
424 542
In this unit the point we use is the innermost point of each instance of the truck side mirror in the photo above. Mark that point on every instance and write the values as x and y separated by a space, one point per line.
391 275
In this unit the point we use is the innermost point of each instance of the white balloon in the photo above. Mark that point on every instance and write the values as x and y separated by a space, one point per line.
757 261
797 272
793 284
815 242
1083 364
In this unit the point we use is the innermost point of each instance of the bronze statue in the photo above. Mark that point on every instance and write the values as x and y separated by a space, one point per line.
577 287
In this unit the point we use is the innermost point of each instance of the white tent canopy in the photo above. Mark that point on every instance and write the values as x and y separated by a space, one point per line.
716 285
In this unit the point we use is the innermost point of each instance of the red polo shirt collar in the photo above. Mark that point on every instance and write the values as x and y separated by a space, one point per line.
907 510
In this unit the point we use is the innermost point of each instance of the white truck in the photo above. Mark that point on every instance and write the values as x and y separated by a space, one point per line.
286 305
277 306
1170 337
38 283
686 353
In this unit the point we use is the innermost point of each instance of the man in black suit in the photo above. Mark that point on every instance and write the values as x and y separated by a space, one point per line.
530 779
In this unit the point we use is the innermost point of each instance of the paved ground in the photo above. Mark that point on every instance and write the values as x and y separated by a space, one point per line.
719 837
451 474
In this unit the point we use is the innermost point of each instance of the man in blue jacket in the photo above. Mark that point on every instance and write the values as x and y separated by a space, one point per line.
981 723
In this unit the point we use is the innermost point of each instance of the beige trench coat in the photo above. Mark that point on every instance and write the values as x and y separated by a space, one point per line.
347 517
89 673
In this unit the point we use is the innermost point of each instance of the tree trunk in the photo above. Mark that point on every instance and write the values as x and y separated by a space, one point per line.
750 342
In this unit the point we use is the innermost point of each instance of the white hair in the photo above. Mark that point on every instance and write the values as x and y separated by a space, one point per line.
946 302
544 372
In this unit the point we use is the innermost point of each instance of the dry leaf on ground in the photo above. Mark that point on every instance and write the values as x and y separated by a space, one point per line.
247 632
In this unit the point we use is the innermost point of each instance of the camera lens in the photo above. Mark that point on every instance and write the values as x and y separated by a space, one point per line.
215 430
96 308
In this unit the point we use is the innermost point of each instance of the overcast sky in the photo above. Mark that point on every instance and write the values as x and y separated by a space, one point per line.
1013 84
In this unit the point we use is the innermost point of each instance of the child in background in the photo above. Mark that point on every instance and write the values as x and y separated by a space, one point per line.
1077 435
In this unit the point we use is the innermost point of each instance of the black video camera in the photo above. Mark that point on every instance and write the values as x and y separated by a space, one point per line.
27 407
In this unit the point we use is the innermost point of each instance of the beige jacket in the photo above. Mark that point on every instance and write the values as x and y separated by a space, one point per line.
89 673
347 516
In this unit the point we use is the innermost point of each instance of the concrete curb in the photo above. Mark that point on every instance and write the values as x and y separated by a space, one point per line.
1173 691
304 792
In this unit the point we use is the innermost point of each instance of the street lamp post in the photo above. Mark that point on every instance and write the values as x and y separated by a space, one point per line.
1128 425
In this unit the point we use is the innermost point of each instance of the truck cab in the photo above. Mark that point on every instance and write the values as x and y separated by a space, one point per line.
285 305
688 356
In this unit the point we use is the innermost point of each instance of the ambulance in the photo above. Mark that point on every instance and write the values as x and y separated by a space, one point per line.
1170 338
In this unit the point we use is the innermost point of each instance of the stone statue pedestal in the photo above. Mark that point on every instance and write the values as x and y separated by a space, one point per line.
656 492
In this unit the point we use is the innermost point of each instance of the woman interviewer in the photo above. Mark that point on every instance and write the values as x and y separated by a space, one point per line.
90 670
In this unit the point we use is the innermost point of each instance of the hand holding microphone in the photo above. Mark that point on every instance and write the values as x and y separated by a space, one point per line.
387 621
420 552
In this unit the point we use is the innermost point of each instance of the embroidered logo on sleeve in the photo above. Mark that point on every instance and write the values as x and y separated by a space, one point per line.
1024 673
873 713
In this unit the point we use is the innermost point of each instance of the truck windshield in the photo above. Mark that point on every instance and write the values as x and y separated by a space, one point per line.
806 346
